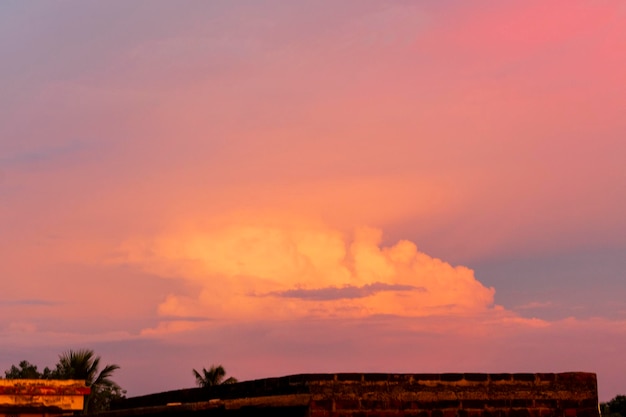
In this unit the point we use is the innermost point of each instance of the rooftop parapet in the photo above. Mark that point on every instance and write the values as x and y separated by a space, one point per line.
572 394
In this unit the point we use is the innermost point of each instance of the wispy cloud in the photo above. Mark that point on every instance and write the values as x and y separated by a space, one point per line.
29 302
346 292
535 305
46 153
185 318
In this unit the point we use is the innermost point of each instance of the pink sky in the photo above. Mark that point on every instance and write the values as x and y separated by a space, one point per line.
288 187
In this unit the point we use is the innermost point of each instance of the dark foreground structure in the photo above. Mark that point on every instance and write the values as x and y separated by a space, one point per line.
380 395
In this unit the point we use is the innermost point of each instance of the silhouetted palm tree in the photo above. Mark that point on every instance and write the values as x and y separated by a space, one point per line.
83 364
213 376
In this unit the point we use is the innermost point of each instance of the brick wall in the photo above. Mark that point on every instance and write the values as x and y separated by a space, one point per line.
383 395
455 395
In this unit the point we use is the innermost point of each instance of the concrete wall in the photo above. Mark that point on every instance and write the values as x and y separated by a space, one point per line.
384 395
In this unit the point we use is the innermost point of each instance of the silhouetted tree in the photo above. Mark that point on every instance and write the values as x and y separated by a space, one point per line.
26 370
83 364
213 376
80 364
614 408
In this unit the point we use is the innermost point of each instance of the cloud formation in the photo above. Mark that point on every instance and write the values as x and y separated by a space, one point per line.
346 292
256 267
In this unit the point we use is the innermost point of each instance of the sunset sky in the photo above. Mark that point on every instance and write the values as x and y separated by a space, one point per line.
284 187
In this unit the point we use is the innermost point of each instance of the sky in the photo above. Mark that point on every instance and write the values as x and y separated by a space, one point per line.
316 186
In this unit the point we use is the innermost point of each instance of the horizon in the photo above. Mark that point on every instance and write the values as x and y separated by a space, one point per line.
314 187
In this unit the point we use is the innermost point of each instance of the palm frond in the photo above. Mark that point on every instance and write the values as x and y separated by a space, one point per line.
212 376
84 364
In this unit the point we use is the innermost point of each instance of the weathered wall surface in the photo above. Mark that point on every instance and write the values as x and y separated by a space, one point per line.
457 395
384 395
40 397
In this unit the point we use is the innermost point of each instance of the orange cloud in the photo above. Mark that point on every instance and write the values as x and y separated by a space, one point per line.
279 267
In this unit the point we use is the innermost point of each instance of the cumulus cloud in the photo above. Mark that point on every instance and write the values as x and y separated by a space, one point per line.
276 267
